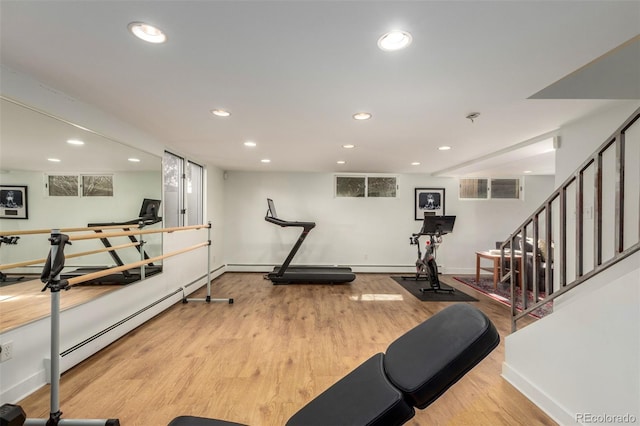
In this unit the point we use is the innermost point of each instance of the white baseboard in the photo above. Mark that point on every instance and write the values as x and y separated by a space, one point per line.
24 388
388 269
363 269
554 410
235 267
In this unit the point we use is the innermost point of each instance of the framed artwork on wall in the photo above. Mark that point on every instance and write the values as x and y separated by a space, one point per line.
428 201
13 202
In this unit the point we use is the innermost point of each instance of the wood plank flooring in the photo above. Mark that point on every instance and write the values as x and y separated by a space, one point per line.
259 360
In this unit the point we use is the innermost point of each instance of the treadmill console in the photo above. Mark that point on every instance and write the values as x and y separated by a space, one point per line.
149 209
272 208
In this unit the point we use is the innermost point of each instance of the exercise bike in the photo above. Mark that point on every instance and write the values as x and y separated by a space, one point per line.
426 267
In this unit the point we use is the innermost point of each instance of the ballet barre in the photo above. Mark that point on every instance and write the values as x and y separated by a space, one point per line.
93 275
67 256
48 231
54 264
141 232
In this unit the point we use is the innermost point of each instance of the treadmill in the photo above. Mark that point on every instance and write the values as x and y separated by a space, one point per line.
287 274
148 216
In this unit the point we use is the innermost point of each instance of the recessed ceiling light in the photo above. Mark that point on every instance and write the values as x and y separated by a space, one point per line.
147 32
220 112
348 146
527 171
362 116
54 160
415 163
341 162
394 40
134 160
444 148
75 142
265 160
250 144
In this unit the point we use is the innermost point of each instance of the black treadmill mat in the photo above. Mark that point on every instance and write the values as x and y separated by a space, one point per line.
313 275
116 278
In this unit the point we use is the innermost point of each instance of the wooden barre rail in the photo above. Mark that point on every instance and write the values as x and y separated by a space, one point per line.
99 274
48 231
67 256
128 233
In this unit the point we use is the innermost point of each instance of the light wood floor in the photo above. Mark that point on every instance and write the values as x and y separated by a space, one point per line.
259 360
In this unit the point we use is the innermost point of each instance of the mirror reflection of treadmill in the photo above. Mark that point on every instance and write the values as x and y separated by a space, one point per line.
292 274
147 216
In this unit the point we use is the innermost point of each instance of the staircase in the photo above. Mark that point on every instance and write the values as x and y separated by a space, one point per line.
581 364
590 223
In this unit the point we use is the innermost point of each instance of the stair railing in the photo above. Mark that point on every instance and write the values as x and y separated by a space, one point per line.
556 256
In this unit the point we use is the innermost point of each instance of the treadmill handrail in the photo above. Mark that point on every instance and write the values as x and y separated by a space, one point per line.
286 223
306 227
271 217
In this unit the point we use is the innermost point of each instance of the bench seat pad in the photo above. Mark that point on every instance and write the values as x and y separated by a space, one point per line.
363 397
200 421
424 362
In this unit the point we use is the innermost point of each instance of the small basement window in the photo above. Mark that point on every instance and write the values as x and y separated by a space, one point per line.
485 188
366 186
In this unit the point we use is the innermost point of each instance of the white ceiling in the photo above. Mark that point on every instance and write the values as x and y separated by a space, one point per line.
292 73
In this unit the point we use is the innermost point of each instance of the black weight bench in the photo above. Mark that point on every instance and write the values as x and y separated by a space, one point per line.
416 369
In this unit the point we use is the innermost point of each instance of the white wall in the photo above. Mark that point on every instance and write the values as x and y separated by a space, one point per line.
25 372
369 234
585 357
214 211
580 139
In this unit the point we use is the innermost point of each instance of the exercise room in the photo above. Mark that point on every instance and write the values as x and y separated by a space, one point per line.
265 213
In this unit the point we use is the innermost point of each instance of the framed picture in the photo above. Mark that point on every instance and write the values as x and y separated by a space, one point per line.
428 201
13 202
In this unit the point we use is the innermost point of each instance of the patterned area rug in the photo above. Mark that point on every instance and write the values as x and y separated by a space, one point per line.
413 287
503 295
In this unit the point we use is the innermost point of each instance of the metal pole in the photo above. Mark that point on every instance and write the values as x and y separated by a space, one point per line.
54 284
209 264
55 330
208 299
142 267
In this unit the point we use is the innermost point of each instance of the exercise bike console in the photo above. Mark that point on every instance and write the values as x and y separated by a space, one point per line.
437 225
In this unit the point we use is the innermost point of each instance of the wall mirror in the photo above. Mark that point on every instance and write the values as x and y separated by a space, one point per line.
55 174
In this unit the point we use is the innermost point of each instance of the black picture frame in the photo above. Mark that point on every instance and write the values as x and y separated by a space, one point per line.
428 201
14 202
